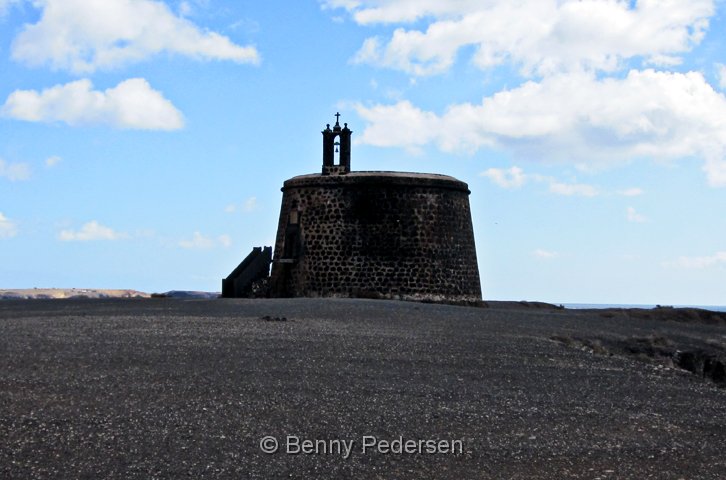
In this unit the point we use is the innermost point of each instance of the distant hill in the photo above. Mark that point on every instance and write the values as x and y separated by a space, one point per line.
187 294
61 293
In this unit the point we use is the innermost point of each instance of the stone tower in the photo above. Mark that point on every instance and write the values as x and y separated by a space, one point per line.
331 147
373 234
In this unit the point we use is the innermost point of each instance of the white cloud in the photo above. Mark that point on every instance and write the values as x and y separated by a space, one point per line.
719 258
132 104
541 36
189 8
185 9
14 171
250 204
571 112
85 35
544 254
510 178
722 76
197 241
204 242
51 162
5 6
8 228
515 177
573 117
90 231
634 217
631 192
347 4
573 189
225 240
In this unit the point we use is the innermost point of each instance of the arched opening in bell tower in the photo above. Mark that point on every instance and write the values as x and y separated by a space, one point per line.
336 152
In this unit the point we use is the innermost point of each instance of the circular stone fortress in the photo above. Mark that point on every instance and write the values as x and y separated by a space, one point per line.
366 234
373 234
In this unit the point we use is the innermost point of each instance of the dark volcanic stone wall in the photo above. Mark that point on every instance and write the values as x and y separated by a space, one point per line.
380 234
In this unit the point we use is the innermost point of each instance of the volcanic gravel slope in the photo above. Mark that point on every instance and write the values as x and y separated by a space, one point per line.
162 388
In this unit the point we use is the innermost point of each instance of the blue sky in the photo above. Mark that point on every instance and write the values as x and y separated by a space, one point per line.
143 143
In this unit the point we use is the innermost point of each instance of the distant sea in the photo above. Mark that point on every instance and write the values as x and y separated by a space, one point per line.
625 305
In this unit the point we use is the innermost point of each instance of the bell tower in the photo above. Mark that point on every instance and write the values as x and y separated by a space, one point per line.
336 143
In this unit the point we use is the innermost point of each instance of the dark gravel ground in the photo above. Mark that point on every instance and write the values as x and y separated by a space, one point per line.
162 388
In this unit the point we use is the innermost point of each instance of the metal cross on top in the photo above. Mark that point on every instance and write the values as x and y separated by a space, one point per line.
337 117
